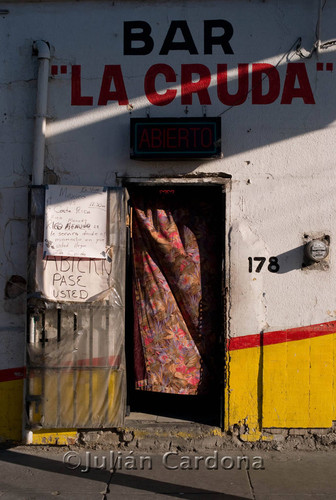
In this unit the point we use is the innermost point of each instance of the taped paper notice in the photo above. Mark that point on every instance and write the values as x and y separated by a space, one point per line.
75 221
71 279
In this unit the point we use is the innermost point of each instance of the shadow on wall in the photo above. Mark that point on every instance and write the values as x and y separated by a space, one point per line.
265 93
291 260
15 295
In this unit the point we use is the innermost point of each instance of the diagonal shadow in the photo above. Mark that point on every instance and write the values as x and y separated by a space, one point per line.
118 478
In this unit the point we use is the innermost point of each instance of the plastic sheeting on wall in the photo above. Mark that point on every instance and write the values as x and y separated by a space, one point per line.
76 362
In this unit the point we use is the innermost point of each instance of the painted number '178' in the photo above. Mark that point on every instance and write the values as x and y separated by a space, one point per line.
273 264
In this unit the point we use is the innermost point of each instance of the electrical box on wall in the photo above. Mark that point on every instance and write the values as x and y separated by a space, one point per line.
316 251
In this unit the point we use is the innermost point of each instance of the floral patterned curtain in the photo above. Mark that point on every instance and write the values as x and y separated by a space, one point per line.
175 291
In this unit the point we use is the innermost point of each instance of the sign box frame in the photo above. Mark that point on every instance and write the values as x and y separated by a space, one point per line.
212 151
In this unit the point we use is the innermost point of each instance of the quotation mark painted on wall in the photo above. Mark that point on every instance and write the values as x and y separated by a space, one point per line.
55 70
328 66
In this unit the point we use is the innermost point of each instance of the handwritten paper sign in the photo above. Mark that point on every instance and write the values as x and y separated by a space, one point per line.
72 279
75 221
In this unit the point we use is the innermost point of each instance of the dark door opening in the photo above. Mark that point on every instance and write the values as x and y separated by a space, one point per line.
174 341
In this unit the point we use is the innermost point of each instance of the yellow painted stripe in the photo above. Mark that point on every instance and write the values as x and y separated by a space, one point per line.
321 381
244 388
55 436
11 408
289 384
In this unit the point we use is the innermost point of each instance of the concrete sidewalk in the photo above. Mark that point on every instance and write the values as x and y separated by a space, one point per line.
33 473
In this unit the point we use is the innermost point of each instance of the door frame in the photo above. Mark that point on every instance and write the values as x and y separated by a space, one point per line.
198 180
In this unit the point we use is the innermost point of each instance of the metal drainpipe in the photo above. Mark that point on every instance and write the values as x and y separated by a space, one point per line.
41 48
318 28
43 54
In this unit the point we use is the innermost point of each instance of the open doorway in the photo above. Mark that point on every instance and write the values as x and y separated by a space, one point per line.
175 311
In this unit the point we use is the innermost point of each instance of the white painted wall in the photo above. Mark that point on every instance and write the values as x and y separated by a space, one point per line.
281 157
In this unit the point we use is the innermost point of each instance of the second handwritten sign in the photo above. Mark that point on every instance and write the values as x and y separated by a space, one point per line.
75 221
